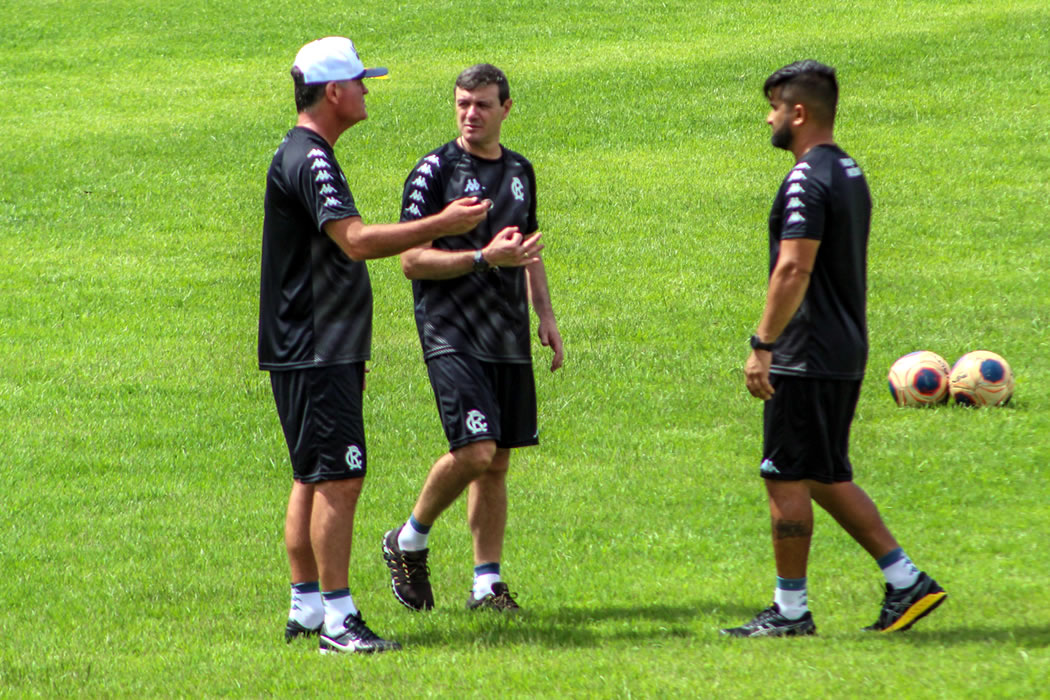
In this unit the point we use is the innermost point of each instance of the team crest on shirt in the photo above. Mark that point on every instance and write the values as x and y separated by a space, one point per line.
517 189
476 422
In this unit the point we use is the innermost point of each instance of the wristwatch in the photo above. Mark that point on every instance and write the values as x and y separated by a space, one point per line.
480 263
757 344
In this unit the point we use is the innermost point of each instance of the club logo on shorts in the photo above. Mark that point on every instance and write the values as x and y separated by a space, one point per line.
476 422
353 457
767 467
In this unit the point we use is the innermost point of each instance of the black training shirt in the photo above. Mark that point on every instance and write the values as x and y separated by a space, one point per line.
825 197
483 314
315 303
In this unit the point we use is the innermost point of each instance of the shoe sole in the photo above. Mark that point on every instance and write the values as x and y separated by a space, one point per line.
340 650
497 611
387 552
923 607
809 632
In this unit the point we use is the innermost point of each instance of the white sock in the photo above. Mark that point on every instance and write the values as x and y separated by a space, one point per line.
410 539
307 608
900 572
483 584
337 605
790 597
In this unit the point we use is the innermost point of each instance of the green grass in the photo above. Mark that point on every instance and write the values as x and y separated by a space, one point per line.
145 474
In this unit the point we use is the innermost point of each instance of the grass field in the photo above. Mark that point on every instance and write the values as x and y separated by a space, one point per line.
145 473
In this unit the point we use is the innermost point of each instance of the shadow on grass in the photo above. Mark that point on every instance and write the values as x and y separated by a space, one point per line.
1030 637
579 625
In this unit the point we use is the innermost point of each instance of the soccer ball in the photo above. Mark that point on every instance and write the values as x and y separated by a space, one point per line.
919 378
982 378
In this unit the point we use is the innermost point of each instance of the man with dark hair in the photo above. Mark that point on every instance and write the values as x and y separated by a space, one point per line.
808 358
472 296
315 333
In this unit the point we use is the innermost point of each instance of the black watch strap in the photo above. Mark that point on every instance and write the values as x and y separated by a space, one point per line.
480 263
757 344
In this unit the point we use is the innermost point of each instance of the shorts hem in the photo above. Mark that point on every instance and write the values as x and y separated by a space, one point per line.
791 477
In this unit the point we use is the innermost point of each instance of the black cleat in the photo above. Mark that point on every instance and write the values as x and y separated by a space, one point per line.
499 600
770 623
355 638
903 608
409 574
293 629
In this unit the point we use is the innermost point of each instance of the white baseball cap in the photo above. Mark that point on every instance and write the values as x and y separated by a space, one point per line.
331 59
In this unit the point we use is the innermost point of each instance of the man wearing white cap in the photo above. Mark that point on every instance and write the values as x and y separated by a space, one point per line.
315 332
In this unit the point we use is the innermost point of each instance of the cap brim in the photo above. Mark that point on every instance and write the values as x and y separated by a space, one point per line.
374 73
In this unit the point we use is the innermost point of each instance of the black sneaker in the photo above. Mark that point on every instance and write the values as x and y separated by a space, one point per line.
903 608
770 623
355 638
293 629
409 574
499 600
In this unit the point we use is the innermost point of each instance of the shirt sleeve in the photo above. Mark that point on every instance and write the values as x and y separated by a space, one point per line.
323 187
532 225
805 203
422 195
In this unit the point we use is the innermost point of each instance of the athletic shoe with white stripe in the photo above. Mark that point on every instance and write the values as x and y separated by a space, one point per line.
770 623
355 638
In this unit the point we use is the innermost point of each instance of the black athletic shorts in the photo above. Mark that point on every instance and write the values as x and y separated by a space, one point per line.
320 411
484 401
805 429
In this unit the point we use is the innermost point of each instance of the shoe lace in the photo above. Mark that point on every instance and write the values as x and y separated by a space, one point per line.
767 615
414 566
503 599
355 625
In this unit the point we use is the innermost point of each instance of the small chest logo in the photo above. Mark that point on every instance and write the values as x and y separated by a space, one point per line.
517 189
476 422
353 457
472 185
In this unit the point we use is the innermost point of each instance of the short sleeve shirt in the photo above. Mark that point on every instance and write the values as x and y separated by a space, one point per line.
315 303
482 314
825 197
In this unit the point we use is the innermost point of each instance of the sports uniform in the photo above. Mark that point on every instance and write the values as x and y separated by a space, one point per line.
474 329
818 361
808 357
315 311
